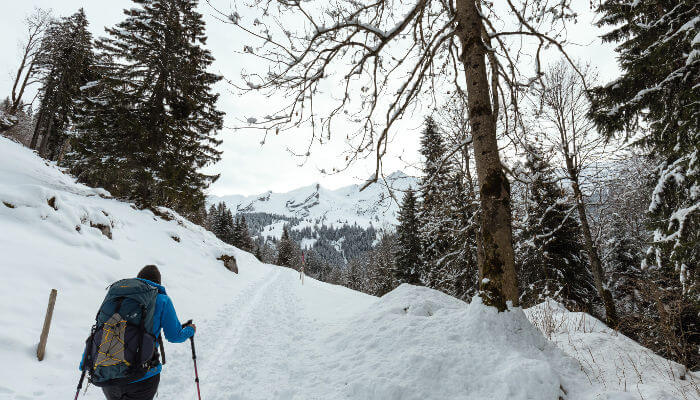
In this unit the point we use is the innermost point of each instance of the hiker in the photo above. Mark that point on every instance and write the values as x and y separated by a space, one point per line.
113 342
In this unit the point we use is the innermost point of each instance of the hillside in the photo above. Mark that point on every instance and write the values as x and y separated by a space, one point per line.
262 334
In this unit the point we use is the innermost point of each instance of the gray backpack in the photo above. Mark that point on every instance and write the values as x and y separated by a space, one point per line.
121 347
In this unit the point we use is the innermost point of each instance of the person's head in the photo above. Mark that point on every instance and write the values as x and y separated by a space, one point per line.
151 273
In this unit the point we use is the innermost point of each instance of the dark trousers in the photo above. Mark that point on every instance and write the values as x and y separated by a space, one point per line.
143 390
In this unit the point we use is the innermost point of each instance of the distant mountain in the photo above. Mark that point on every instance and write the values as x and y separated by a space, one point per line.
338 224
315 204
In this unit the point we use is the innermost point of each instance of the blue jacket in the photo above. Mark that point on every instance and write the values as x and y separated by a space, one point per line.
164 317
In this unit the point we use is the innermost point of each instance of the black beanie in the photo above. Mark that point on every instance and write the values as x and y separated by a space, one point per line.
151 273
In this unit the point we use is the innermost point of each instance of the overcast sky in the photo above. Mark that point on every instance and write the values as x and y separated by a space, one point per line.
247 167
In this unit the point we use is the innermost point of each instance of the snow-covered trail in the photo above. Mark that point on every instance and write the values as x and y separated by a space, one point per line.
263 343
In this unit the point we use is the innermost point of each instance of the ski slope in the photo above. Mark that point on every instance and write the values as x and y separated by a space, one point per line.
262 333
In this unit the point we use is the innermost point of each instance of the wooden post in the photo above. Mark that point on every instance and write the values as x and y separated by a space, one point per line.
41 350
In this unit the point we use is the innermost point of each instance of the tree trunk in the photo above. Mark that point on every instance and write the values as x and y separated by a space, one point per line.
43 149
18 101
37 127
596 265
498 283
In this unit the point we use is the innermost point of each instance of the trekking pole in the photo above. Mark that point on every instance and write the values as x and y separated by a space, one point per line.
84 362
80 382
194 359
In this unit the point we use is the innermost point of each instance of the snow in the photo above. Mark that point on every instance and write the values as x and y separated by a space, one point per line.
611 360
265 334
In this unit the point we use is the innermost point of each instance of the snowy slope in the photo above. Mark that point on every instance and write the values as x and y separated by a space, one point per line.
262 334
316 204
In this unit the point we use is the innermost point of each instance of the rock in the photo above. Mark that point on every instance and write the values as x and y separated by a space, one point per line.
229 263
105 229
6 121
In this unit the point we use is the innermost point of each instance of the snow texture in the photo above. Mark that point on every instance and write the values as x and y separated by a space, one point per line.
262 333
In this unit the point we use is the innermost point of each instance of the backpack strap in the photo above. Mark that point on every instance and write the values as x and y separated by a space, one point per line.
142 331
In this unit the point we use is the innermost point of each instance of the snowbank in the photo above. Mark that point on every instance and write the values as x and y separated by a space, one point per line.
611 360
417 343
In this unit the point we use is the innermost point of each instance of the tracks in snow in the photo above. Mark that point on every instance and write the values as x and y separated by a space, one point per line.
259 346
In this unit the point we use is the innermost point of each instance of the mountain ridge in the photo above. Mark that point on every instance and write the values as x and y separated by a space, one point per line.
347 205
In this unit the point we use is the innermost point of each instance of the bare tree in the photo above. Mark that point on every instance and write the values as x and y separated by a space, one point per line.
562 112
455 120
386 58
36 24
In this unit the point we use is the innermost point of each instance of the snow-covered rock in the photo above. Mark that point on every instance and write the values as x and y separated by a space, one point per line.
6 121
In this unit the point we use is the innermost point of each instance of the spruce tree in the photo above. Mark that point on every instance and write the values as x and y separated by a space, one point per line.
656 101
285 250
460 272
408 247
432 214
64 65
549 251
151 120
242 235
659 57
623 263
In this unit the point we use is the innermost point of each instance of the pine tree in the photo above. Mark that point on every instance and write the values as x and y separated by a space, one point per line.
151 120
460 272
623 263
242 235
660 62
286 256
434 232
549 251
64 65
380 277
660 58
408 248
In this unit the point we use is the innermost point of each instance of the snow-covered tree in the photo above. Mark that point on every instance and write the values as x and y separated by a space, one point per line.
151 118
658 54
460 270
64 65
408 246
287 251
655 103
380 278
549 251
241 235
433 213
221 223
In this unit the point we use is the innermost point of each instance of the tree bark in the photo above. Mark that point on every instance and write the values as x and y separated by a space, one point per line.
37 127
498 283
43 149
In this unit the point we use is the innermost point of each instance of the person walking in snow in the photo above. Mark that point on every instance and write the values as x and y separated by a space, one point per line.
133 309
